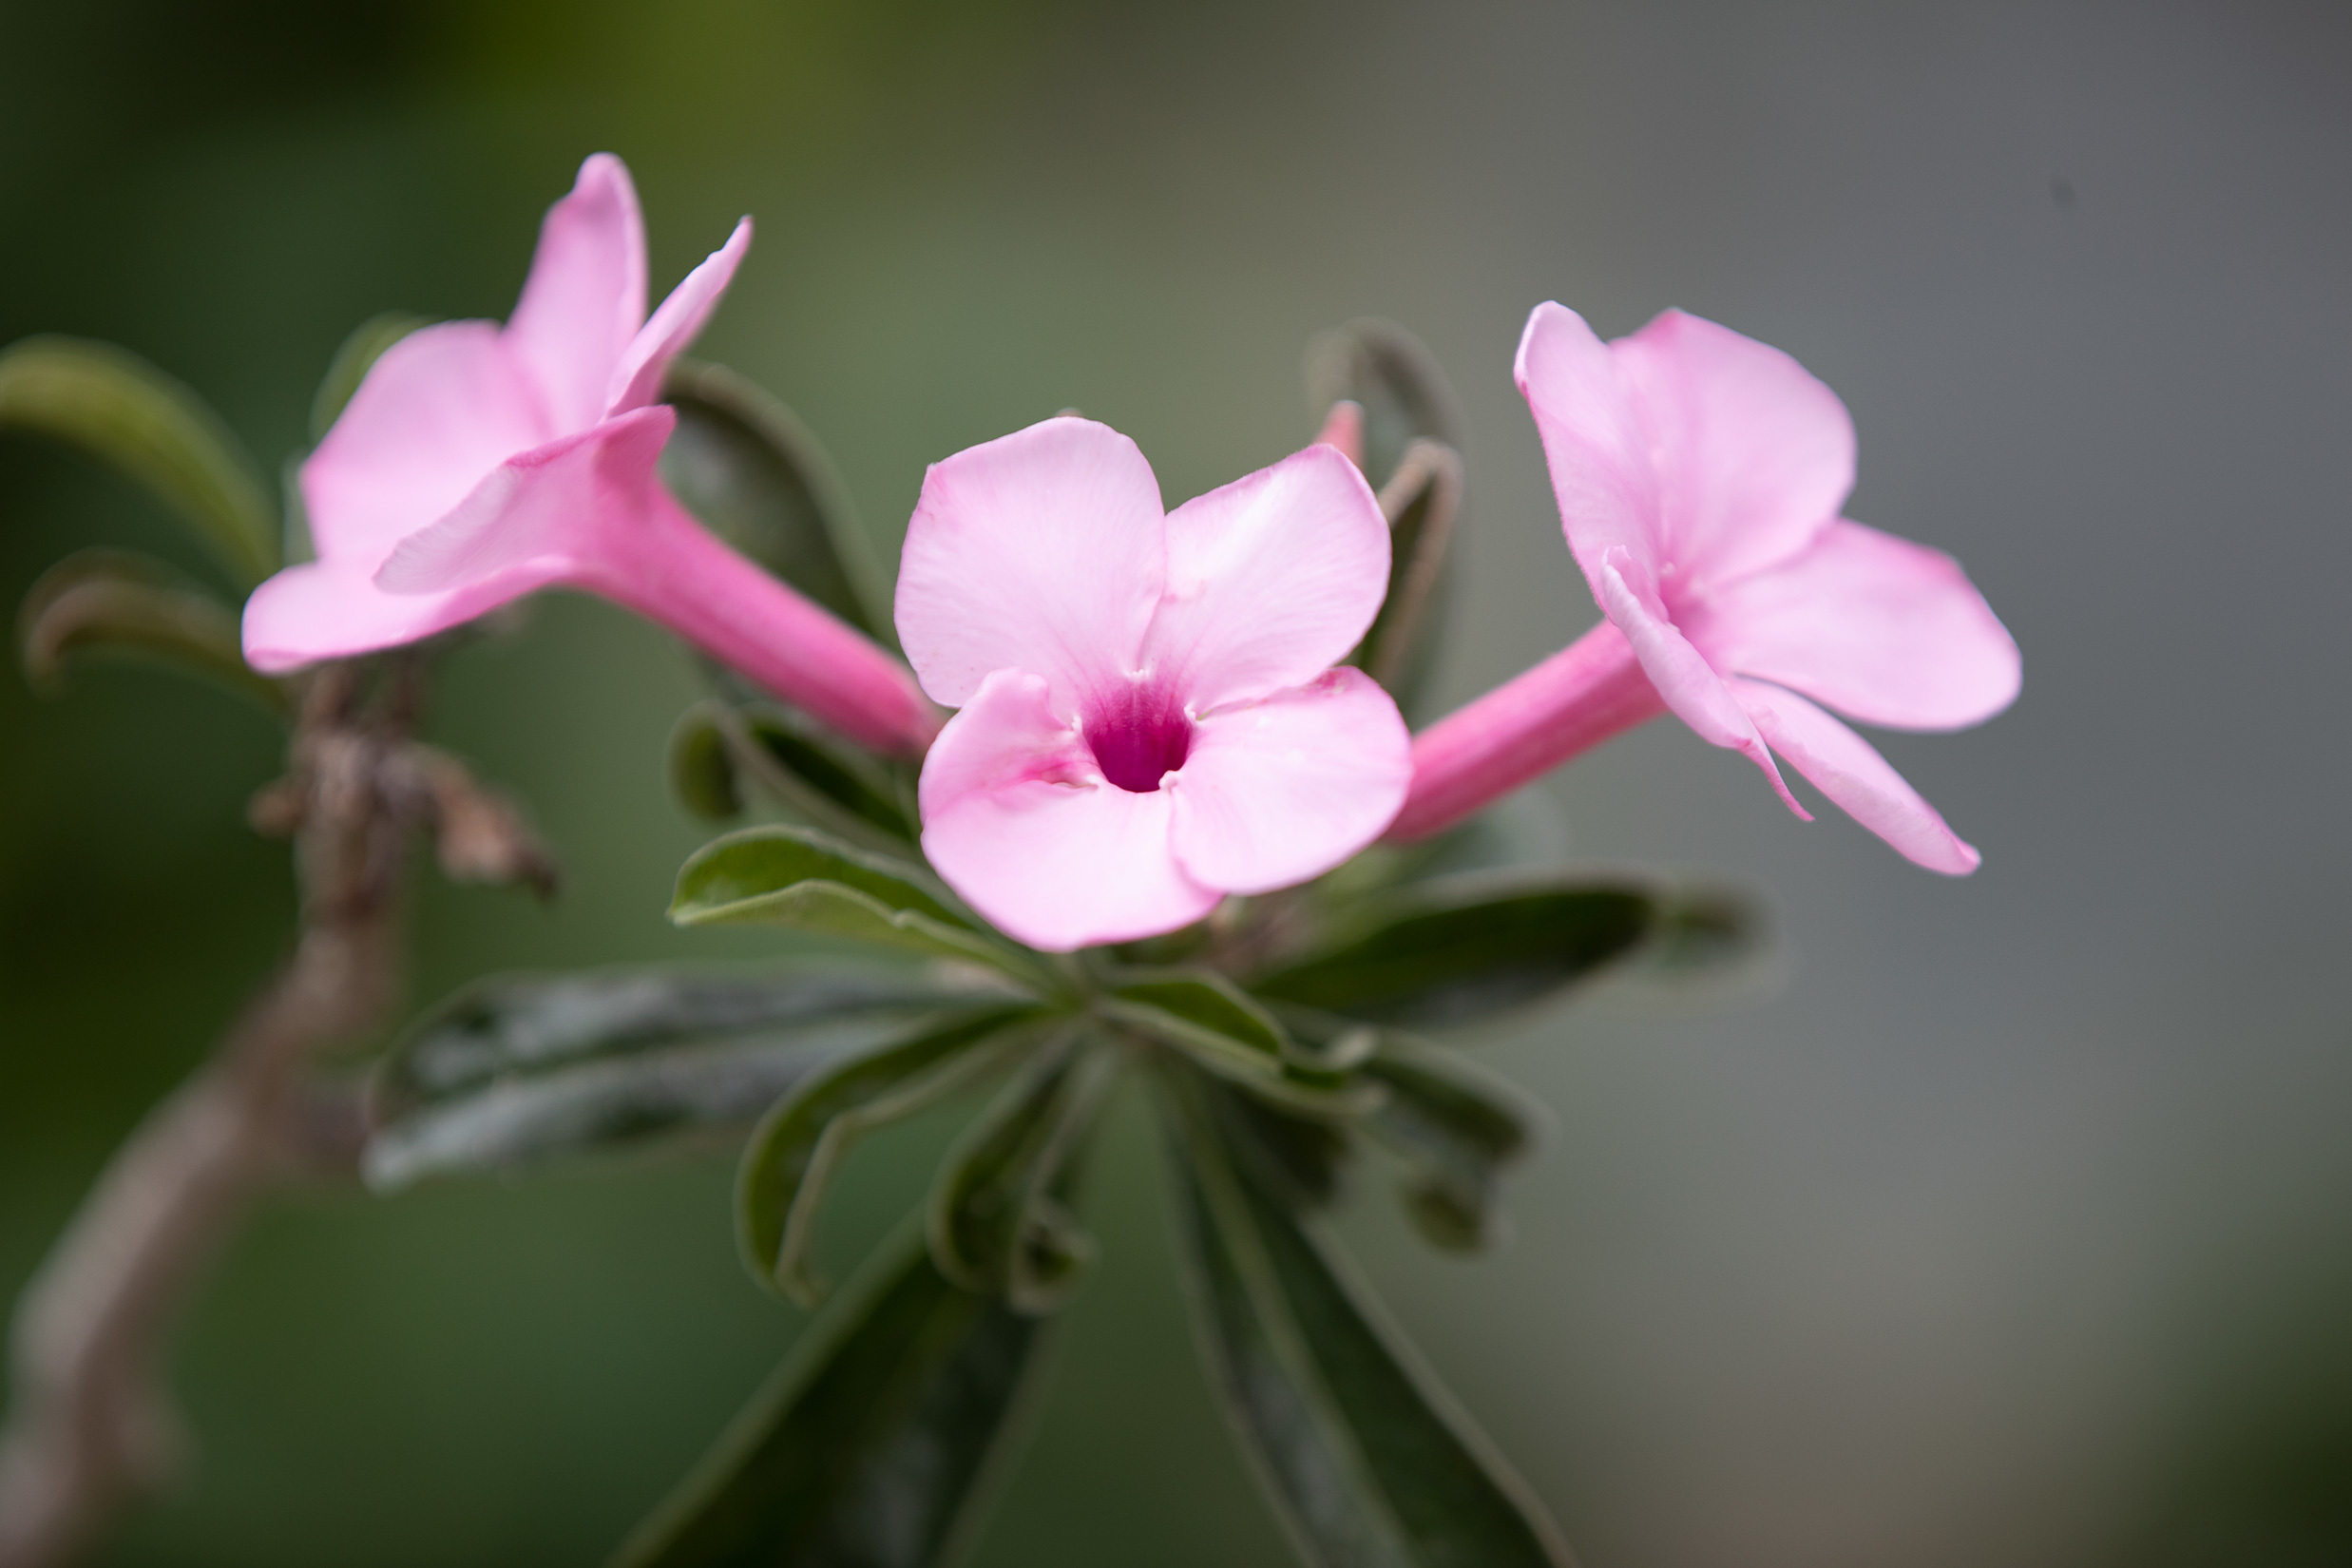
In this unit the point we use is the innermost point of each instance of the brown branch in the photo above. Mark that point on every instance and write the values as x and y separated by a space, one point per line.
92 1425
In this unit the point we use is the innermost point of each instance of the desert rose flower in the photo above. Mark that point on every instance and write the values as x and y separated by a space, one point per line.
1700 475
1150 715
476 464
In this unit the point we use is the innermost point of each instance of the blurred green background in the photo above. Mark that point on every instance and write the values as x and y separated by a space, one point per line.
2011 1229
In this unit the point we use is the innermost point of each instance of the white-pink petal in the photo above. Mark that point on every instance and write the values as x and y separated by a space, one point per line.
1689 685
1884 630
1271 580
1849 771
1278 791
1042 550
329 609
434 415
636 380
1593 444
549 505
1753 454
1062 867
585 295
1007 735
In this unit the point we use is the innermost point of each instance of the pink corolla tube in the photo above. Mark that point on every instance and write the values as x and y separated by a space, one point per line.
476 464
1150 719
1700 475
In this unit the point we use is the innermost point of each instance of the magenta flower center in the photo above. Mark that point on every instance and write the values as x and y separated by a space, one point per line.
1140 736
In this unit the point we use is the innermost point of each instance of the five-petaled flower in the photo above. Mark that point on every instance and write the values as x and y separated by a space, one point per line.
476 464
1150 714
1700 476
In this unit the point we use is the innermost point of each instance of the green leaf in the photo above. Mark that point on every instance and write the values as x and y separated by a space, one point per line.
876 1441
744 465
1211 1022
119 408
352 362
799 1145
995 1221
1454 953
807 881
115 602
1457 1128
1386 371
1366 1457
1423 502
527 1067
717 746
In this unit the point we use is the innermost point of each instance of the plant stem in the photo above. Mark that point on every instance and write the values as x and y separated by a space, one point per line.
92 1425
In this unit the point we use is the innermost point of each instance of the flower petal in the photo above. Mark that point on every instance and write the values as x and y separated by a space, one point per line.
552 504
330 609
1753 454
1849 771
1271 580
1056 861
443 407
1595 446
585 295
1278 791
1007 735
1889 632
676 322
1042 550
1689 684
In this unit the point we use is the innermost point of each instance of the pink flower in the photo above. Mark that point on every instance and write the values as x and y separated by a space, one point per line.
477 463
1700 476
1151 718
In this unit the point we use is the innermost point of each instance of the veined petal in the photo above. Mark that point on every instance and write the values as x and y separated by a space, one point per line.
552 504
1886 631
1066 865
1689 685
1271 580
1007 735
1753 454
1042 550
443 407
1278 791
331 609
1594 445
585 295
1849 771
679 321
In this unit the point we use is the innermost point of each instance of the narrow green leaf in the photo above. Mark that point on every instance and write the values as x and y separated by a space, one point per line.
744 465
1385 371
527 1067
118 603
1247 1064
1444 953
799 1145
1210 1000
119 408
1366 1457
1423 502
808 881
352 362
1458 1128
994 1220
876 1442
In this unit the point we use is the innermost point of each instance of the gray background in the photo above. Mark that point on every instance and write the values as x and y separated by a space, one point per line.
2007 1227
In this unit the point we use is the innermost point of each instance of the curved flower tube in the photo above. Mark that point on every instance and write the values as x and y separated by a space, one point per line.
1700 475
476 464
1150 715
